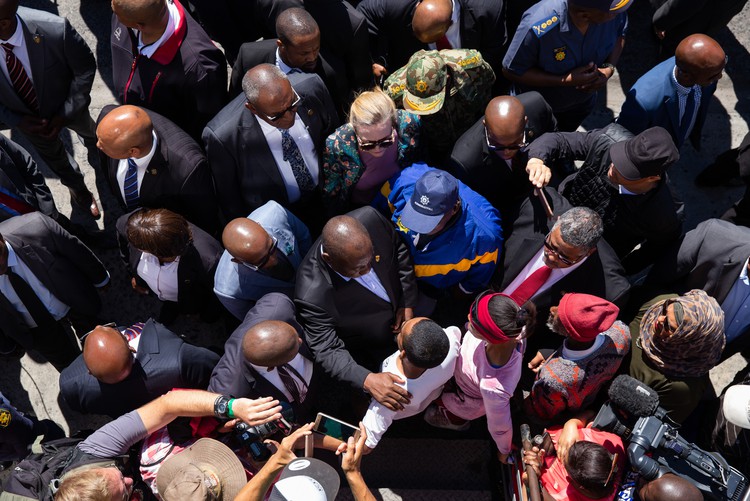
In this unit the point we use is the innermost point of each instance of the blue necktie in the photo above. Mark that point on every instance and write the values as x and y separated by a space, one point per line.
687 117
130 186
294 157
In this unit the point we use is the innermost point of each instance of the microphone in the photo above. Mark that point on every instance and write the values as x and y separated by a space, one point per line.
633 396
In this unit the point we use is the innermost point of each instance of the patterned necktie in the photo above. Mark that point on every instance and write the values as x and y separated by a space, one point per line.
30 300
13 204
290 382
130 186
443 43
687 116
528 287
20 79
294 157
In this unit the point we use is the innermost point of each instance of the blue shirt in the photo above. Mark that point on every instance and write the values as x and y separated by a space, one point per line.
546 39
464 254
736 307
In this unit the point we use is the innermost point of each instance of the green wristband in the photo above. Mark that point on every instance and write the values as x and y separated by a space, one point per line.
230 413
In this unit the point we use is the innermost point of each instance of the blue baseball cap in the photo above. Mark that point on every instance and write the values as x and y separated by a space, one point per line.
604 5
435 193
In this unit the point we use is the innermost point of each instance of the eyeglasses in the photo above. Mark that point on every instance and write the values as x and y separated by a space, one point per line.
552 250
663 326
382 143
264 261
511 147
612 469
292 108
108 324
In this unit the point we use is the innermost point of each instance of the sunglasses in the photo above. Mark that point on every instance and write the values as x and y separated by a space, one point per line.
262 262
292 108
380 143
552 250
108 324
663 326
498 147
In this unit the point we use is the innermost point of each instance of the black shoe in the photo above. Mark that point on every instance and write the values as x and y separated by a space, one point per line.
722 172
50 430
10 349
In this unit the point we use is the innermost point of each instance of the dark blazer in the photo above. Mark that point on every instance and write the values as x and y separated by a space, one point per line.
59 260
486 173
329 69
163 361
392 41
62 68
177 178
600 275
653 101
348 328
195 272
234 375
244 171
20 177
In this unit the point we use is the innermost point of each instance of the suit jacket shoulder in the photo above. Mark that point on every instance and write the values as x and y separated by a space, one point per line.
251 54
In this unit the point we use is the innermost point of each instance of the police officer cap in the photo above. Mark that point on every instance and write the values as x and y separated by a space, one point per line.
604 5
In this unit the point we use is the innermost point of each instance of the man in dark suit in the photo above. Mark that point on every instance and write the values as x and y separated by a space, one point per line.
123 368
354 289
491 157
164 61
47 279
22 186
399 28
267 357
265 144
48 74
675 94
712 257
168 167
296 50
172 258
571 252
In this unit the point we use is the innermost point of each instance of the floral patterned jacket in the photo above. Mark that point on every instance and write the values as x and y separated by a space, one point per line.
342 166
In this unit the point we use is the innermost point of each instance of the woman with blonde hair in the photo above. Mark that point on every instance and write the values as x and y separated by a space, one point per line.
361 155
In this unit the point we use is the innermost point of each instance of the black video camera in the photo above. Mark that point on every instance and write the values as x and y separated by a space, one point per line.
252 437
655 447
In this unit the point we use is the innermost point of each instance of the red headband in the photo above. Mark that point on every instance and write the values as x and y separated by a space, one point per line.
482 322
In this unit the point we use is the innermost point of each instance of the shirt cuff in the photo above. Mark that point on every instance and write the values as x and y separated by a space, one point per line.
103 282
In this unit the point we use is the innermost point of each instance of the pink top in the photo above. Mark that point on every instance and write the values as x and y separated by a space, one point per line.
486 389
377 171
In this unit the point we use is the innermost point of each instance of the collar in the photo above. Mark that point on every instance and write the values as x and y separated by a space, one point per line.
681 89
143 162
742 277
12 257
16 39
456 13
169 47
264 370
282 65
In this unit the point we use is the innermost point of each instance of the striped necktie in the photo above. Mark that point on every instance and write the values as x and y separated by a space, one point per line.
292 381
20 79
130 186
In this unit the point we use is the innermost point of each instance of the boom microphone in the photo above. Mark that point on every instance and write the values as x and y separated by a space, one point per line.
633 396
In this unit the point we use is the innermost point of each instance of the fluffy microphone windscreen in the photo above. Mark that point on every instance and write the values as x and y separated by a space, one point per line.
633 396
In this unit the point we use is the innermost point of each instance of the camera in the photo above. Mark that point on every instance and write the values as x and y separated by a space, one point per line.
655 446
252 437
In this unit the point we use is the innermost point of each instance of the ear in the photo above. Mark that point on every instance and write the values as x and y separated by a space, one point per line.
250 107
326 257
591 251
135 153
279 43
653 179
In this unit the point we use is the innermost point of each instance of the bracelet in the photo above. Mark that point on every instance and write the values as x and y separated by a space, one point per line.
230 412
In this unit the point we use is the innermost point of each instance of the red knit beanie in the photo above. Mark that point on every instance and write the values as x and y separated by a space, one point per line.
584 316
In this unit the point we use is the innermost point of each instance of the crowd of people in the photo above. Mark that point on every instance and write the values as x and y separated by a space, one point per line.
389 207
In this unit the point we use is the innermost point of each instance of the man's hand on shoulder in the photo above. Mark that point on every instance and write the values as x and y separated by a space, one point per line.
383 388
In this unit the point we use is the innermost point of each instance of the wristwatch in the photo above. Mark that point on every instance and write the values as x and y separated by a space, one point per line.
608 65
221 407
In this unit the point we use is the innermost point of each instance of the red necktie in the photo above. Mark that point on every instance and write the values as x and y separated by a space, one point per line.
14 205
443 43
528 287
20 79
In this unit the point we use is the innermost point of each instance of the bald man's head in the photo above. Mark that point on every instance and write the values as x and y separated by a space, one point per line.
431 20
270 343
505 122
347 246
107 355
669 487
700 60
125 132
246 240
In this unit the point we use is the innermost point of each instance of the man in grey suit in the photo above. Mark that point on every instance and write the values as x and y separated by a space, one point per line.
48 71
712 257
263 252
48 279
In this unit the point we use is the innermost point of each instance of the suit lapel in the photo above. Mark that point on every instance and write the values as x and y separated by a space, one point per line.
155 169
672 104
251 137
35 42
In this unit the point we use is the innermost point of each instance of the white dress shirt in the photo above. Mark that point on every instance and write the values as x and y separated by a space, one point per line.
300 364
534 264
285 67
174 21
19 50
140 163
160 278
306 147
454 30
56 308
682 95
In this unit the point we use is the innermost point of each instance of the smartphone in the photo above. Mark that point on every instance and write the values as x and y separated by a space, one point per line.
328 425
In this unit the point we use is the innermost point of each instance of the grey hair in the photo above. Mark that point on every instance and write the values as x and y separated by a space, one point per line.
261 77
580 227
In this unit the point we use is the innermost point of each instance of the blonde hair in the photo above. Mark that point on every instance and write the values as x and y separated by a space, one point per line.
372 107
87 484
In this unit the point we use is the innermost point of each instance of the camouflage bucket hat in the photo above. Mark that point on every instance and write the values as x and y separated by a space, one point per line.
426 79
